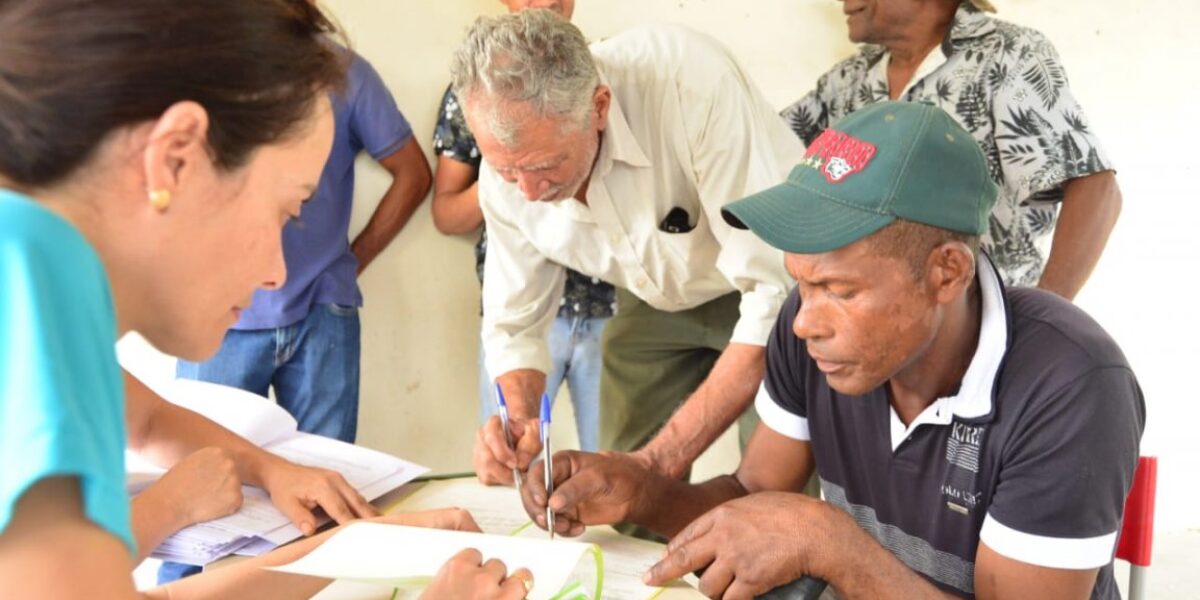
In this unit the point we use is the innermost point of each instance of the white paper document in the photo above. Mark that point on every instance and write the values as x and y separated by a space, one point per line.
244 413
496 509
259 526
626 561
408 557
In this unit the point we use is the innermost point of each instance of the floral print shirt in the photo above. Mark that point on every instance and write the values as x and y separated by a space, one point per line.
1005 85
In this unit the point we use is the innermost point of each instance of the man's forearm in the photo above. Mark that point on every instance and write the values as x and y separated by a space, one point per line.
671 504
393 213
411 180
866 570
1089 211
727 391
457 212
522 390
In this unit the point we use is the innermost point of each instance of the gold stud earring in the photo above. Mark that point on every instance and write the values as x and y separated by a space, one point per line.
160 199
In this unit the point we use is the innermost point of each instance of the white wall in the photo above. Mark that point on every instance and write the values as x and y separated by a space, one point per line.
1132 64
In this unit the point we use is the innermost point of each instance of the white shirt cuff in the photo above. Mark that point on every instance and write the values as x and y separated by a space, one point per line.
758 311
775 417
504 353
1045 551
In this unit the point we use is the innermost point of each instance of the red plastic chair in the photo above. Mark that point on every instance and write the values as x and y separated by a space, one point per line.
1137 529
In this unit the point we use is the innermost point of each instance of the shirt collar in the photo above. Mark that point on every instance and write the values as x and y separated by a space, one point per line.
975 398
969 23
618 143
975 395
878 73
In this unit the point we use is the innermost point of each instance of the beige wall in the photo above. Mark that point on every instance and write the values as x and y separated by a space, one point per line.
1133 65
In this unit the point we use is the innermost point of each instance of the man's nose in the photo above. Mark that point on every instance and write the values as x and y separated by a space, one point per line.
532 187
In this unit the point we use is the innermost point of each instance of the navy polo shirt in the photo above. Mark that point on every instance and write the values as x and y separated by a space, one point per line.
1034 455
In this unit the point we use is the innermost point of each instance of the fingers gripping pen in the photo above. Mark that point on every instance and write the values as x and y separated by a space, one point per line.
548 468
503 409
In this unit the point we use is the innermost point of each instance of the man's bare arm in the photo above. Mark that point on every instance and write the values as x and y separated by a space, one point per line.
410 183
727 391
456 198
1088 214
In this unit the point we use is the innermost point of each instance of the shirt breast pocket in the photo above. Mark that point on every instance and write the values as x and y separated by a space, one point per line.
682 245
677 230
683 234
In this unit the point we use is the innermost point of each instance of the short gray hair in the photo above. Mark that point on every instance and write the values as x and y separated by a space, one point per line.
532 57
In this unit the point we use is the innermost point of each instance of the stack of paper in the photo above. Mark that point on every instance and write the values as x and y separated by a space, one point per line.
259 526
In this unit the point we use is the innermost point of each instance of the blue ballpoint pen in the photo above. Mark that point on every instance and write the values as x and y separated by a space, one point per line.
549 470
503 406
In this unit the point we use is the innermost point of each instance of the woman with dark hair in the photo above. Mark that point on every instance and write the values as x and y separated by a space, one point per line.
150 153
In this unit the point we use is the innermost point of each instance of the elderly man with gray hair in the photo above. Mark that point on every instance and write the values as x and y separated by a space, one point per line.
615 161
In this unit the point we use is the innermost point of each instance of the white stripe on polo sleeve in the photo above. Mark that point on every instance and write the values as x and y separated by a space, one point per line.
775 417
1046 551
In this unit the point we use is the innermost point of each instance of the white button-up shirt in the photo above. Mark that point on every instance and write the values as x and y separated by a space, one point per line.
686 129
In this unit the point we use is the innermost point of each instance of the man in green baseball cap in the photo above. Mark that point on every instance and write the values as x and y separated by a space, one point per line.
971 440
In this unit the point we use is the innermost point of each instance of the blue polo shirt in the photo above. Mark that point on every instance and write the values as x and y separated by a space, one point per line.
316 249
62 405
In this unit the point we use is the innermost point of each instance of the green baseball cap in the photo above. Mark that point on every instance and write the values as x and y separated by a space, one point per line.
888 161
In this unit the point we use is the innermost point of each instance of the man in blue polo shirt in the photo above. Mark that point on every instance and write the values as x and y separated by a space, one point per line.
303 338
971 440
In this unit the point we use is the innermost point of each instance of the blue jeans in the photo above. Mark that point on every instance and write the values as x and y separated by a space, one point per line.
313 366
575 357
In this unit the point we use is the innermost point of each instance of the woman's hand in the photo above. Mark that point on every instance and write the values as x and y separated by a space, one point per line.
466 577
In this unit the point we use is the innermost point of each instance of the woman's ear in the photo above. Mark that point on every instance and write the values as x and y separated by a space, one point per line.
176 147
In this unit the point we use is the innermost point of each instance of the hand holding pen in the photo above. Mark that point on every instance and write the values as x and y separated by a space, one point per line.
547 464
507 443
502 407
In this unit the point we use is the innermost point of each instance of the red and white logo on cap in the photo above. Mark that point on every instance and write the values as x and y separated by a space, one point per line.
838 155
